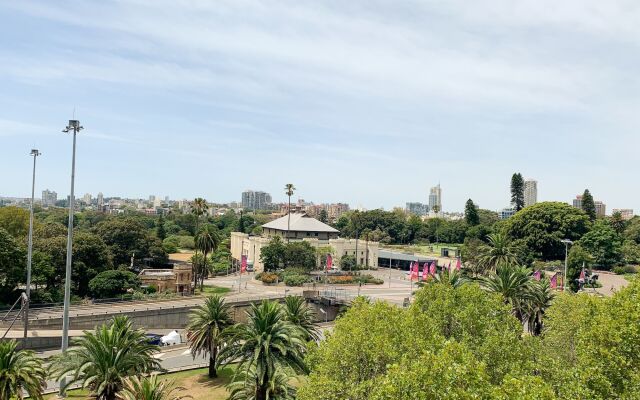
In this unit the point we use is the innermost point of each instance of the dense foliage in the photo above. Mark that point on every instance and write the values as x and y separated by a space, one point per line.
463 342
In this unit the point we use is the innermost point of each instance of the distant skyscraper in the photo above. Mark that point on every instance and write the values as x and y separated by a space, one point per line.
49 198
256 200
100 201
416 208
530 192
435 198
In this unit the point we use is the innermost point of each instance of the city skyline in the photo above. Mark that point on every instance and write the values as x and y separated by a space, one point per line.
487 89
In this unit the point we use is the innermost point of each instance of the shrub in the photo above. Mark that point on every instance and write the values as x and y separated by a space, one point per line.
625 269
341 280
269 277
296 280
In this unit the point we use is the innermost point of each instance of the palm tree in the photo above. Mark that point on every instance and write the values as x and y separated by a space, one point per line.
289 188
540 297
514 284
207 241
206 330
20 371
499 251
301 315
103 359
150 388
244 387
266 343
198 208
454 278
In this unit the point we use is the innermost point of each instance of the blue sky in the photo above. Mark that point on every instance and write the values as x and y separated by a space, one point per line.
370 103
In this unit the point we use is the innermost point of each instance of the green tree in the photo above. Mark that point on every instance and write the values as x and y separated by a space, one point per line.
15 220
577 259
12 264
301 315
103 359
206 331
289 189
90 257
265 344
323 216
517 191
499 251
150 388
471 213
272 255
20 371
604 245
348 263
618 223
161 232
450 373
278 388
588 205
207 241
300 254
541 227
126 237
199 207
513 283
113 283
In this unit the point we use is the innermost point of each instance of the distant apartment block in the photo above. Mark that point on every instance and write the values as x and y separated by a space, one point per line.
601 208
506 213
334 211
530 192
87 198
627 213
416 208
49 198
256 200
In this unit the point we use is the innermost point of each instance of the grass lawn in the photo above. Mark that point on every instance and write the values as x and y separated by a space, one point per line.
195 381
209 290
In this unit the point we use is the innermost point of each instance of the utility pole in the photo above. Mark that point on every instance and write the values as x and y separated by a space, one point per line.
75 127
566 242
35 153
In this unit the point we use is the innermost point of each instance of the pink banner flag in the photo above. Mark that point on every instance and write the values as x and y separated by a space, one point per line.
414 270
536 275
425 271
329 262
243 264
432 270
458 265
554 281
582 275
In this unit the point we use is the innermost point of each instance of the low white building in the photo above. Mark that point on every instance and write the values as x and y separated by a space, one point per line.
301 227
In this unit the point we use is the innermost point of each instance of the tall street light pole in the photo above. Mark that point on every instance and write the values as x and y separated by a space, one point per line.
566 242
35 153
74 126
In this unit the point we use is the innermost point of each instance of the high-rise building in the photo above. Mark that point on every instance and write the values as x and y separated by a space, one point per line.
626 213
530 192
435 198
152 198
416 208
49 198
87 198
601 208
100 200
256 200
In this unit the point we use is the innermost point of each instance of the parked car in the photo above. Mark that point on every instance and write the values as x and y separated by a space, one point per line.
152 338
171 338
